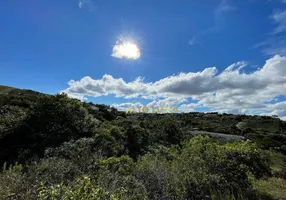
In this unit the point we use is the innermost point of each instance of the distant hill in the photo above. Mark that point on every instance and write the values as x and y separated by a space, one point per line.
269 132
19 95
6 90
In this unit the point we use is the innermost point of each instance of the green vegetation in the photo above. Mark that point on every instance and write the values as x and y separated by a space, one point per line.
53 147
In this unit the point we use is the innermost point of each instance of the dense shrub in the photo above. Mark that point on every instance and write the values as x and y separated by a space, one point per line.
51 121
83 189
203 168
11 182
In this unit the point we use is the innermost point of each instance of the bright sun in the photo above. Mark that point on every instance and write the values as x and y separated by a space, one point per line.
126 49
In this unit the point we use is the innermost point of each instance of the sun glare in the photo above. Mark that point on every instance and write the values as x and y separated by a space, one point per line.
126 49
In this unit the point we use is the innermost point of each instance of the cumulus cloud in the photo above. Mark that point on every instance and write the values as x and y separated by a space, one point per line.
105 86
230 89
188 107
169 101
278 109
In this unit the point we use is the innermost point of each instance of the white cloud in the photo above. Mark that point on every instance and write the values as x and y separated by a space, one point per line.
278 109
188 107
125 106
105 86
231 89
169 101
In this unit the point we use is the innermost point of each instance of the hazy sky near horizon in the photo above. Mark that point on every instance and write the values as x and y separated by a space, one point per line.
200 55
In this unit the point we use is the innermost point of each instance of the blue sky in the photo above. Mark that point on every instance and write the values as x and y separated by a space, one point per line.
207 55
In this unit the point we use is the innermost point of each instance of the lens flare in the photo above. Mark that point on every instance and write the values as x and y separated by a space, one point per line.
126 49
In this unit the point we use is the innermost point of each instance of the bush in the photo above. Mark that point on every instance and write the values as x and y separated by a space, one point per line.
12 183
204 169
138 141
83 189
52 170
123 165
83 153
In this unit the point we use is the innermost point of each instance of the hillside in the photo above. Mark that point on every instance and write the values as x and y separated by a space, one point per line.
61 148
15 93
6 90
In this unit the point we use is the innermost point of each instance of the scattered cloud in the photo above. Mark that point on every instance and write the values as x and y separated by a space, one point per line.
88 4
230 89
80 3
192 41
275 44
280 19
222 8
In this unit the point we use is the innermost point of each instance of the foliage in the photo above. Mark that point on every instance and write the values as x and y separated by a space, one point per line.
51 121
10 181
83 189
203 168
69 149
274 187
